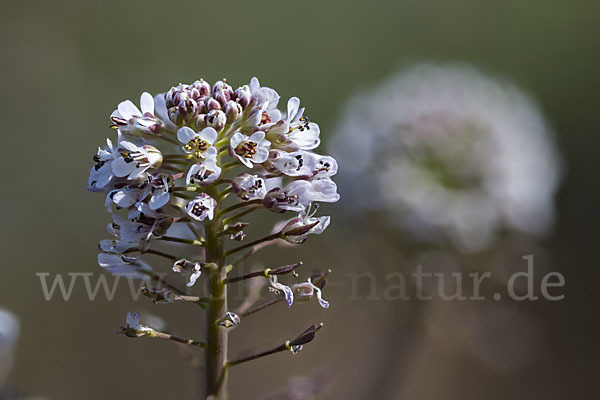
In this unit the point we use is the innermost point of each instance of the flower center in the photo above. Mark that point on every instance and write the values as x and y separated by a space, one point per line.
246 149
197 146
198 209
301 125
265 118
201 176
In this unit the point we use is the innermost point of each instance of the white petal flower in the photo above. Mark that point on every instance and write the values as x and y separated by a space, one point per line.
297 229
248 187
279 288
302 163
120 265
203 173
194 269
199 144
298 195
134 160
115 246
134 328
101 174
201 207
267 98
129 119
295 131
229 320
249 150
451 153
306 290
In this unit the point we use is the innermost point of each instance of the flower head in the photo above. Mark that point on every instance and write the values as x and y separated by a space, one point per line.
450 155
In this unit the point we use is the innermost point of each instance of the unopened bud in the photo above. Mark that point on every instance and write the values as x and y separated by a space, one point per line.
232 110
216 119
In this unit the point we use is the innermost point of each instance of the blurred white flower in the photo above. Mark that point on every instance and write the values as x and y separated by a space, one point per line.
446 150
9 333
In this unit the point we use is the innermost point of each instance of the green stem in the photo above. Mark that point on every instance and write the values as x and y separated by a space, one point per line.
240 205
216 354
277 235
181 240
240 215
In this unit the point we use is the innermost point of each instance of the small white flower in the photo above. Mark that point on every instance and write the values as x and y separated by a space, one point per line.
304 292
125 197
160 191
297 229
134 160
129 119
201 207
101 174
133 327
279 288
248 187
115 246
249 150
194 269
203 173
295 132
141 227
199 144
266 98
298 195
229 320
120 265
302 163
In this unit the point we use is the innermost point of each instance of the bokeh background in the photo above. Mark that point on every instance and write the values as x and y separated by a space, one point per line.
66 64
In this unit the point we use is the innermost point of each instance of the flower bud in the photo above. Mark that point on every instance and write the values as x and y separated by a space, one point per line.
306 337
212 104
242 96
232 110
202 86
216 119
221 86
188 109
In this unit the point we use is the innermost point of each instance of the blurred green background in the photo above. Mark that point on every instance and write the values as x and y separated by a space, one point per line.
66 65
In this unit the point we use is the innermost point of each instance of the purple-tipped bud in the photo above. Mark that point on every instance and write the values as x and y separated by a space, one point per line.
222 86
242 96
233 111
212 104
188 109
203 87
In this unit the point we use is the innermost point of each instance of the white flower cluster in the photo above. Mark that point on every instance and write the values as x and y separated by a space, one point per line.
170 155
450 153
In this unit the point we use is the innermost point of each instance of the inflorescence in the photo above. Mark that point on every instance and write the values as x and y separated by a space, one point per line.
203 157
